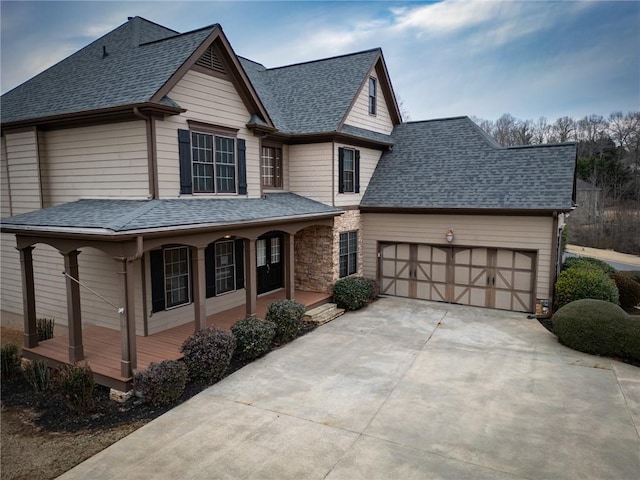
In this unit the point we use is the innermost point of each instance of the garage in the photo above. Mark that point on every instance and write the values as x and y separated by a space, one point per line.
479 276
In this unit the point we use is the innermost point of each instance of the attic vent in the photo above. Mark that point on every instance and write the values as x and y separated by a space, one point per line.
211 61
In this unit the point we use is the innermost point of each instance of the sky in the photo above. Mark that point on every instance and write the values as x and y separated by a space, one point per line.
480 58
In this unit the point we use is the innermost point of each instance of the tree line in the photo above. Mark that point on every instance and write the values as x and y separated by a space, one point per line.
608 159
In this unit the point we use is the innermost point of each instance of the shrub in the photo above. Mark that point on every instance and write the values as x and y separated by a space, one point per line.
571 262
37 375
353 293
632 274
578 283
44 327
628 289
161 383
10 361
598 327
207 354
75 383
253 337
287 317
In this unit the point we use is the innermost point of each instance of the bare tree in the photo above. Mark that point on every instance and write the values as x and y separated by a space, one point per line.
504 130
563 129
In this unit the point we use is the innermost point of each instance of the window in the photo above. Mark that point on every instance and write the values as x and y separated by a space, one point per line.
372 96
271 167
225 267
176 276
348 170
348 253
214 166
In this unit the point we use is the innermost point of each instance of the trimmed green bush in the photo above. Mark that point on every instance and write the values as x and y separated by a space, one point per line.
38 375
75 383
353 293
253 337
571 262
578 283
161 383
10 361
287 317
598 327
628 289
207 354
44 327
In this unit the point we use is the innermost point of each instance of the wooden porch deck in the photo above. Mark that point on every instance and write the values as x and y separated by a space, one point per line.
102 345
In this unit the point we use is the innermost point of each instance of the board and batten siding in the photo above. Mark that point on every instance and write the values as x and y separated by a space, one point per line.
101 161
359 115
23 169
368 160
311 171
211 100
511 232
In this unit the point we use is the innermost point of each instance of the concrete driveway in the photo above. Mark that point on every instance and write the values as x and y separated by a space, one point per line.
404 389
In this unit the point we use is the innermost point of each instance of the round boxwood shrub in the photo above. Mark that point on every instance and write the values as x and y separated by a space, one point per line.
628 289
353 293
207 354
287 317
598 327
253 338
577 283
571 262
162 383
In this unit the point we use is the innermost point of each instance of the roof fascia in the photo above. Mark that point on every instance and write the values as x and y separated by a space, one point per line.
92 117
467 211
321 137
238 76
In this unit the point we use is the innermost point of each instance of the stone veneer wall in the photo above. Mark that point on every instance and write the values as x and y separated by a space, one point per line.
313 256
347 222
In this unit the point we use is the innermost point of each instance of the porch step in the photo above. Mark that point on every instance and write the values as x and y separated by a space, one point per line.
323 314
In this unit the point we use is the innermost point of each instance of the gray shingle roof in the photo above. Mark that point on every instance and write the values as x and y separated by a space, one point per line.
124 216
87 81
310 97
450 164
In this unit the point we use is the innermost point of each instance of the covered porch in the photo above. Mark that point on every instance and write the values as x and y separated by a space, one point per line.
103 345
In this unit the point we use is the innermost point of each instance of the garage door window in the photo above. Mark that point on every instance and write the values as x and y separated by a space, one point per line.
348 253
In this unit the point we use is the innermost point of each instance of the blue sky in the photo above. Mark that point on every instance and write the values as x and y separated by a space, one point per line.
448 58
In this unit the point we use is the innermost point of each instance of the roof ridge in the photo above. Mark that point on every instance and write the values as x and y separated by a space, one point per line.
540 145
325 59
152 23
133 214
443 119
212 26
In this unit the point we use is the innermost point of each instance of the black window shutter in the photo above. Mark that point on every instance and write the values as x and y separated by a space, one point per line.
356 173
184 155
210 270
242 167
340 170
157 280
239 253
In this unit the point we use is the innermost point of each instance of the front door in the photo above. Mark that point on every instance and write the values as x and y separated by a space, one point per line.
269 262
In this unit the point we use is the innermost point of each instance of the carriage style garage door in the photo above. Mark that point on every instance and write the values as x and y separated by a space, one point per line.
485 277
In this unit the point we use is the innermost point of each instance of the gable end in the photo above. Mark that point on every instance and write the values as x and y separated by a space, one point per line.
210 61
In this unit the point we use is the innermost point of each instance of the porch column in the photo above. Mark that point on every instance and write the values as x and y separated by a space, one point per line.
199 288
74 322
129 361
28 298
289 267
250 275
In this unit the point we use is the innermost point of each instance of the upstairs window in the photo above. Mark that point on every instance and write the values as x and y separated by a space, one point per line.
271 167
372 95
348 170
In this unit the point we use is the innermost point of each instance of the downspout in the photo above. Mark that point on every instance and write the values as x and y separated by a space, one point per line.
152 153
554 256
333 174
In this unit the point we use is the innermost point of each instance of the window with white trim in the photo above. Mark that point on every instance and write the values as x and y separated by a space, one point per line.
348 253
213 163
176 276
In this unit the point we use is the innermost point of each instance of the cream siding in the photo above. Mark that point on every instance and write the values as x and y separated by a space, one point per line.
311 171
102 161
516 233
368 160
23 171
5 199
359 115
211 100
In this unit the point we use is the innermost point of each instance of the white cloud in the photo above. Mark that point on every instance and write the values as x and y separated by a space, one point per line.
443 17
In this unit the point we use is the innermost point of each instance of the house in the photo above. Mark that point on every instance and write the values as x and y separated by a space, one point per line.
154 179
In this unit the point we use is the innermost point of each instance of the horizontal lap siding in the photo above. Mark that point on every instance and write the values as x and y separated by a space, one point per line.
209 100
515 233
10 279
22 169
102 161
311 171
359 114
5 200
368 160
